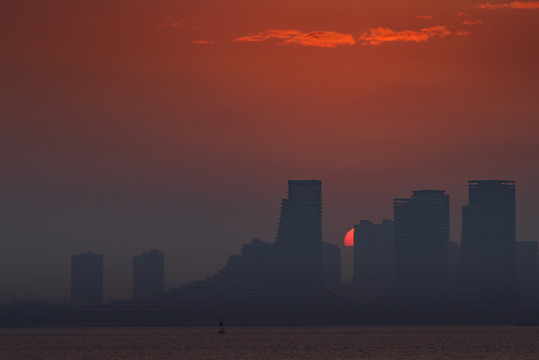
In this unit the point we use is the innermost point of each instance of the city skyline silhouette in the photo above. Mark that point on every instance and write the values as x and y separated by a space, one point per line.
351 262
406 265
131 126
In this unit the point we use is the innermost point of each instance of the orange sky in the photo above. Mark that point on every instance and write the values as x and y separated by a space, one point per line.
215 104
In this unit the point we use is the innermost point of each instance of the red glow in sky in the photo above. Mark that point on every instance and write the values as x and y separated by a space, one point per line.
180 114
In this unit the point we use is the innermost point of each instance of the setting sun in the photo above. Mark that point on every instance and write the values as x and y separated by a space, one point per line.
349 238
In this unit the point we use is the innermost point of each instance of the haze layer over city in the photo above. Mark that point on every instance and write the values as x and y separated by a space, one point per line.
176 125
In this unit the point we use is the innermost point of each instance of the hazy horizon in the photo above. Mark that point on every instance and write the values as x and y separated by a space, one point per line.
135 125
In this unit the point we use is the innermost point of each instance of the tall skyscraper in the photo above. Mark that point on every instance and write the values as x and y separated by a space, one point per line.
148 274
486 276
374 257
295 274
422 266
87 278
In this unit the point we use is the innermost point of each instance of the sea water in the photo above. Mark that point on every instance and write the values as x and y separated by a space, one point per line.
362 342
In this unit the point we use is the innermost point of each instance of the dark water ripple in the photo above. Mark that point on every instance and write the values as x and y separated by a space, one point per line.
445 342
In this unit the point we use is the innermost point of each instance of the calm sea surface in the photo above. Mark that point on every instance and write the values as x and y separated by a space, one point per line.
458 342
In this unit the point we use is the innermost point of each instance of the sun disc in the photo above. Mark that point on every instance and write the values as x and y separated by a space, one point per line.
349 238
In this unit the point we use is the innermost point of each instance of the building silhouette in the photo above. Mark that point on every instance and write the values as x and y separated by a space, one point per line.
295 276
486 277
148 274
374 257
297 271
236 285
332 266
422 264
527 273
87 278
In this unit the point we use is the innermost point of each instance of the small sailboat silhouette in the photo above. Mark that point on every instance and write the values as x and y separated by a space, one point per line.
221 326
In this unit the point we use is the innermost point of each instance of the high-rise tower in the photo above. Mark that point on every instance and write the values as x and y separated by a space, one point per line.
295 274
422 267
487 270
148 274
87 278
374 257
